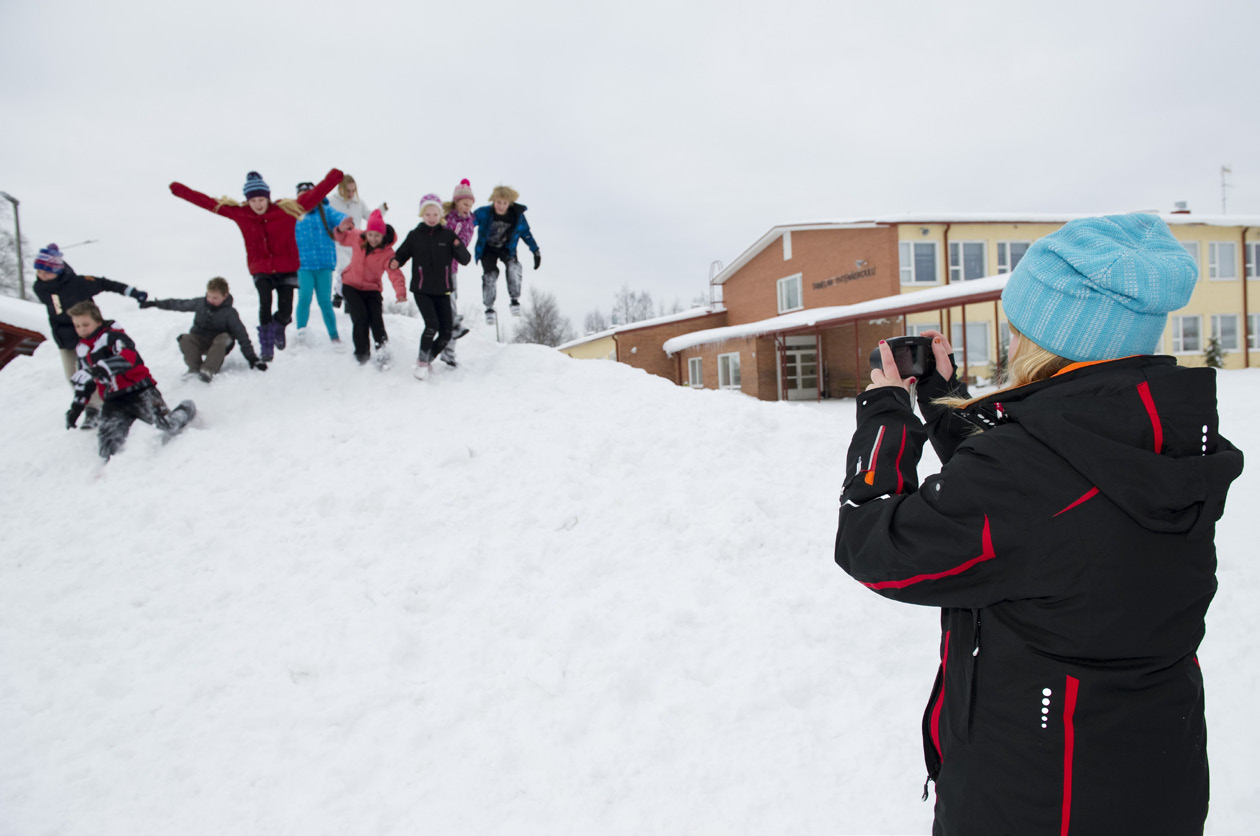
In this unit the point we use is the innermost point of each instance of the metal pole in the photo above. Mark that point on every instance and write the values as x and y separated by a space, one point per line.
17 221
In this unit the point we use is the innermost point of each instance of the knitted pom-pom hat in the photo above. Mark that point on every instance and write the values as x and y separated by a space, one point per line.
255 186
50 260
430 200
463 190
376 222
1100 288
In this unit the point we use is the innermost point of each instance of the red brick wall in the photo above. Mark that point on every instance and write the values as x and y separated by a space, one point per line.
827 261
643 347
848 366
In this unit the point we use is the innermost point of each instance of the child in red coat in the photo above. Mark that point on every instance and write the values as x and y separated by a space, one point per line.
270 245
372 251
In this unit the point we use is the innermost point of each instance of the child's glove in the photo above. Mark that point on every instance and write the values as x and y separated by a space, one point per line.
258 364
98 371
139 295
537 260
72 415
336 300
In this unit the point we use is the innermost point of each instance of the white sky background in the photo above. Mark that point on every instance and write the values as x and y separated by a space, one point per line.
646 138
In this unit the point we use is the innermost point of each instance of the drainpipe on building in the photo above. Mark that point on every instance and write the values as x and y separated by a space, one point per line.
945 326
1255 268
818 368
780 344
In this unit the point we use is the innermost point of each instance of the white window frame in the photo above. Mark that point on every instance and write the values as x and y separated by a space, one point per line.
1253 330
1004 255
1176 329
1216 331
695 372
956 273
780 287
1251 258
1216 263
1192 247
972 358
725 371
906 258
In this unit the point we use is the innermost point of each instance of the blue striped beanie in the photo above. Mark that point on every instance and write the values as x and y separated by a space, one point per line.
1100 288
255 186
49 260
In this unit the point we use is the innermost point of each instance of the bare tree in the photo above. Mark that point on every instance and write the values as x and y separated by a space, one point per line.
10 281
541 321
629 306
595 322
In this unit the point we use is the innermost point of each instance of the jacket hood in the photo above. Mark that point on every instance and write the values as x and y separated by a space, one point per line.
224 305
1142 430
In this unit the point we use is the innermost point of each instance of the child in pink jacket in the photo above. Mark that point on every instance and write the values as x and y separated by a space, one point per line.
457 217
371 252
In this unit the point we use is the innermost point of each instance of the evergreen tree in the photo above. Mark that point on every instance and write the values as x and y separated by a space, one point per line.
1213 356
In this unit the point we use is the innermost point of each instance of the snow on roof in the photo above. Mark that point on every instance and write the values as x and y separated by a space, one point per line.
1170 218
947 295
690 313
29 315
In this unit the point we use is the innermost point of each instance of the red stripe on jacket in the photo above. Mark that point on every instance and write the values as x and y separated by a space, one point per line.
1069 746
986 553
1144 392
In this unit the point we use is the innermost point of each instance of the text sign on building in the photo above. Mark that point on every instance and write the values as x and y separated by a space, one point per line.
847 277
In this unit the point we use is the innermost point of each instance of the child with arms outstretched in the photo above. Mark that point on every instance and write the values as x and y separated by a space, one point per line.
270 245
432 249
216 328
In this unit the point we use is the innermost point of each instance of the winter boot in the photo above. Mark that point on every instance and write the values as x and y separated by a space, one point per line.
178 418
515 307
448 356
422 369
277 333
490 317
91 418
384 357
266 343
205 376
459 329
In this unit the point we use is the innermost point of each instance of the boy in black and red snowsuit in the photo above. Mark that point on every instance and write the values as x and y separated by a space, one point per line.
109 364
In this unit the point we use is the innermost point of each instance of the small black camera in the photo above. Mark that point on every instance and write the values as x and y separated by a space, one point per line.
913 356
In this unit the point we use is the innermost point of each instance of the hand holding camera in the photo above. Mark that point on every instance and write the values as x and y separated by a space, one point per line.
900 361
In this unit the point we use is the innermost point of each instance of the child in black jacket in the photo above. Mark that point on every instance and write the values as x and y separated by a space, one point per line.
60 288
216 328
431 247
109 363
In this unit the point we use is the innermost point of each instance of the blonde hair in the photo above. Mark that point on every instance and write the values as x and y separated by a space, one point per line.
507 193
341 187
1030 364
288 204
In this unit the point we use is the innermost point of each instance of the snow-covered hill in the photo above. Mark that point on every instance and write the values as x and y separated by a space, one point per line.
531 596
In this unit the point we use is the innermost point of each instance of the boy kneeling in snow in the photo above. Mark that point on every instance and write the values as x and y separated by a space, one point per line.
108 363
216 328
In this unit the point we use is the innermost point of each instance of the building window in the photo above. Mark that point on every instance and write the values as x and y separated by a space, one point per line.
790 294
1251 255
1192 247
1225 330
1222 261
978 352
966 261
1009 254
1187 334
916 330
1253 330
695 372
918 262
728 371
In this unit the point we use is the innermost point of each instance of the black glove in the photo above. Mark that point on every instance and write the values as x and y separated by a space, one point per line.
72 415
258 364
98 371
336 300
537 260
139 295
147 304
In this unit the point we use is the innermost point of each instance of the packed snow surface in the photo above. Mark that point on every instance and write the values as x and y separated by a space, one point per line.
532 595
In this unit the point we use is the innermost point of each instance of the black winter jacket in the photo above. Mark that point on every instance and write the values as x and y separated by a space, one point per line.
1070 547
64 292
430 249
210 322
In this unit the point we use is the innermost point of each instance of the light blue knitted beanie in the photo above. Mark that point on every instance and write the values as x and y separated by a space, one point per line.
1100 288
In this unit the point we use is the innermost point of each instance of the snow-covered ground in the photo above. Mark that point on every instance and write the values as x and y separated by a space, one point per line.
531 596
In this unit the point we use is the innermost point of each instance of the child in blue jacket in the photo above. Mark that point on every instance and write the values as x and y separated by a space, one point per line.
500 227
318 252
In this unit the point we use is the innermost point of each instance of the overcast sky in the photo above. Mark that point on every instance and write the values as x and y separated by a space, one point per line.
646 138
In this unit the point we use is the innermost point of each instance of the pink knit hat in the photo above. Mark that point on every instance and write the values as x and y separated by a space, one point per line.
463 190
376 222
430 200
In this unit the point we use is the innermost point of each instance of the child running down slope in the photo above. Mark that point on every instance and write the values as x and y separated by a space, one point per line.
372 253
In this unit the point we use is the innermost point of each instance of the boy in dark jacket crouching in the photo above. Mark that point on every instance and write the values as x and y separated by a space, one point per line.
109 364
216 328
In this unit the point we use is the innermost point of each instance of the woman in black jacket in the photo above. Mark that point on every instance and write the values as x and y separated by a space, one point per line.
1068 540
431 247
